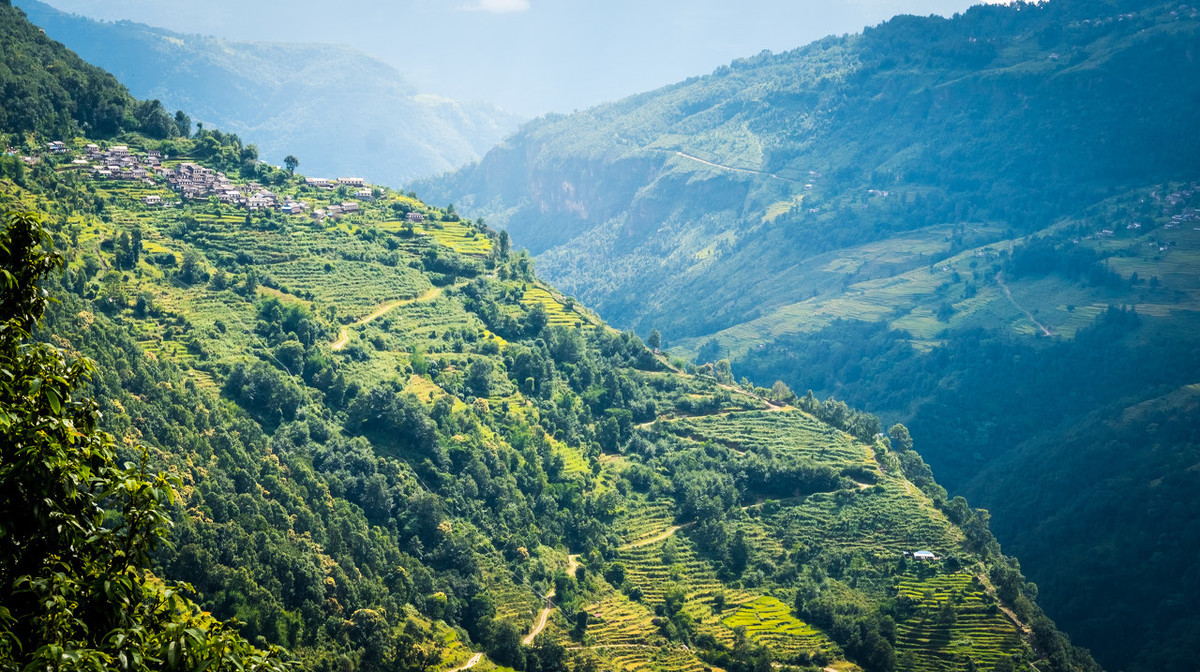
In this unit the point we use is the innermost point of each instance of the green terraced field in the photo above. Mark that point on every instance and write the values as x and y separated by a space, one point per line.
558 313
645 569
979 631
355 287
616 621
881 522
644 521
666 657
771 623
458 236
791 434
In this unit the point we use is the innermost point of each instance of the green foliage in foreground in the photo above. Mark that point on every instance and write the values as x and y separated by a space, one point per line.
76 590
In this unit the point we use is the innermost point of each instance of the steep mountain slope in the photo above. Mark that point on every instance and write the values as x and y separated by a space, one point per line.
1006 116
392 445
51 91
424 437
930 220
338 110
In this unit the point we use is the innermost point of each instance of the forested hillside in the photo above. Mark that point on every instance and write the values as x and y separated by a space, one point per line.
340 111
381 443
53 92
982 226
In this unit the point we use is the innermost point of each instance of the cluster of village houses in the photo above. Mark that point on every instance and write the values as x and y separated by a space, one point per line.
194 182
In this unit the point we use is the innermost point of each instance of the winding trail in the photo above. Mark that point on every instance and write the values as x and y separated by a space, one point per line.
1012 616
544 615
470 663
1008 293
344 335
656 538
735 170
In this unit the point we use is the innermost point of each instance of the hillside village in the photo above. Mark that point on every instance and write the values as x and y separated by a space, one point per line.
193 182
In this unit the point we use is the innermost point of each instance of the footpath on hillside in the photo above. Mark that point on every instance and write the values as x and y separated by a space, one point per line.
344 335
1008 293
735 170
544 615
470 663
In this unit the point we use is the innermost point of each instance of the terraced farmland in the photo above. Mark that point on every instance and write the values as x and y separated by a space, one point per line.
429 320
770 622
646 569
791 434
558 313
356 288
931 642
644 521
883 521
665 657
618 622
458 236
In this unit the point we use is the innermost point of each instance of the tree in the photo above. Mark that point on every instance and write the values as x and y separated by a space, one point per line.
581 624
946 613
901 439
654 341
502 245
536 320
153 120
135 244
291 162
479 377
78 528
191 270
183 123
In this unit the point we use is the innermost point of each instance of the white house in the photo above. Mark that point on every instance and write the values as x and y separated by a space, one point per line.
924 556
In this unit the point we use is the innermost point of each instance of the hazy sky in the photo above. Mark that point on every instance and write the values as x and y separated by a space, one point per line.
529 56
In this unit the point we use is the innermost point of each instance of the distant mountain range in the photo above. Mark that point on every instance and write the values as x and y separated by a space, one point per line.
930 220
338 110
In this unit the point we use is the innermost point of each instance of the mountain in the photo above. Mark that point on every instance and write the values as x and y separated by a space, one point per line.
981 226
373 437
339 111
51 91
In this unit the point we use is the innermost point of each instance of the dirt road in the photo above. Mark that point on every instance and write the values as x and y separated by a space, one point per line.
1008 293
470 663
544 615
344 335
